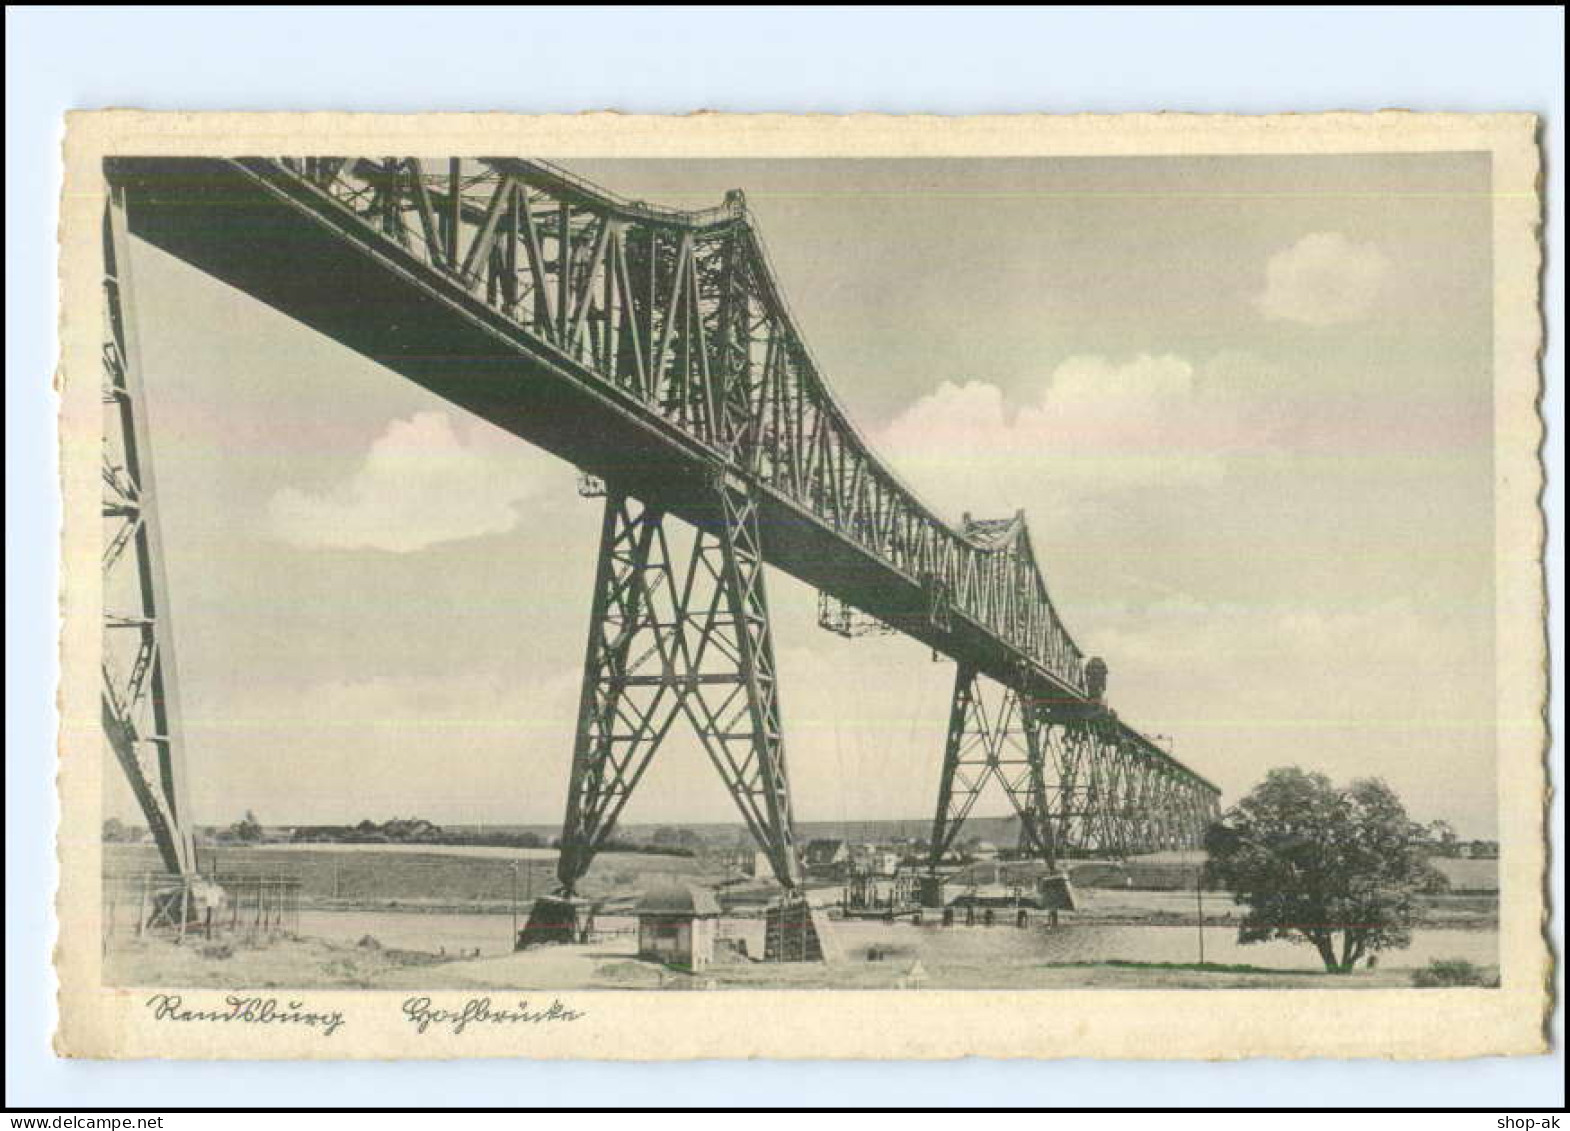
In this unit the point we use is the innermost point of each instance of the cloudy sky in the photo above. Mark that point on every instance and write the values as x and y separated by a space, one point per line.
1245 402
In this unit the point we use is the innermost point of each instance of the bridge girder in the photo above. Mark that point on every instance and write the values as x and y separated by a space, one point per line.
538 301
1076 781
671 323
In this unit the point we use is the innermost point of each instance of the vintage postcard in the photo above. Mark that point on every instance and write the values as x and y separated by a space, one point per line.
923 587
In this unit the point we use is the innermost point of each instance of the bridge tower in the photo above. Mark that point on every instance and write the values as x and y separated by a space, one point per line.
994 734
1076 778
680 634
141 707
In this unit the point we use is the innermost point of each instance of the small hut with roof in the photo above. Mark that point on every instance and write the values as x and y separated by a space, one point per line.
677 925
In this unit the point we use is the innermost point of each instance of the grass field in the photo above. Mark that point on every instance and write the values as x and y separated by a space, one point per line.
433 878
1468 875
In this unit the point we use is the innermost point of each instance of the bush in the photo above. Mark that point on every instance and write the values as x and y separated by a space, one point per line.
1452 972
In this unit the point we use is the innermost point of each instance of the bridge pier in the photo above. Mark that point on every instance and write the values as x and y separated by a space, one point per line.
999 740
140 695
1075 778
689 635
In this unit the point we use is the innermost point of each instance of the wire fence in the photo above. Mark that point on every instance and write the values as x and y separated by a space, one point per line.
414 878
252 905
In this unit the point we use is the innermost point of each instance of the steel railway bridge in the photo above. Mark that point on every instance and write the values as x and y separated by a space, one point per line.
653 349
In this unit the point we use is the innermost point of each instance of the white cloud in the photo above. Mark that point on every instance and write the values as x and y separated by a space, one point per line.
1098 425
421 483
1322 280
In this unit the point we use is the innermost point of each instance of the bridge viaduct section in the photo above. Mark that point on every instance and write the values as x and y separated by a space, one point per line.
654 350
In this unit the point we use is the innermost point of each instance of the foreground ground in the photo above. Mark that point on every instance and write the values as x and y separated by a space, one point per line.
239 964
913 959
391 917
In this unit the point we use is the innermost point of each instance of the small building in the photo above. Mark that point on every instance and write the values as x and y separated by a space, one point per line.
874 860
826 859
677 925
867 893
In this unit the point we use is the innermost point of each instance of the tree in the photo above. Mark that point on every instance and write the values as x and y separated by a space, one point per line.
667 836
1311 861
247 829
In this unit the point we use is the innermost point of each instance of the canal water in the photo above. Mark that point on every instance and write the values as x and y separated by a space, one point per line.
1074 942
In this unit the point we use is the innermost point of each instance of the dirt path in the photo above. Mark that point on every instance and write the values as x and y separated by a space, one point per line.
546 967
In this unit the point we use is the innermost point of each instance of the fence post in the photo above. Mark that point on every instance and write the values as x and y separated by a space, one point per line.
141 907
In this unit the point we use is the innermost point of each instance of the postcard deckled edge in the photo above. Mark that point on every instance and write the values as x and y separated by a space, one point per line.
101 1022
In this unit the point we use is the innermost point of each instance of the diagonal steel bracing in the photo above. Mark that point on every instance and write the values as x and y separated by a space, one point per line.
628 700
679 313
673 635
1105 796
1076 780
141 711
991 740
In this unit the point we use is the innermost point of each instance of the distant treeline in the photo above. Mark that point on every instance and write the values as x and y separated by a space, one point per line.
382 834
417 830
408 830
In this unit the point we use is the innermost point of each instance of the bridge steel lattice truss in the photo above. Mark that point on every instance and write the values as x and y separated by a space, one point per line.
655 350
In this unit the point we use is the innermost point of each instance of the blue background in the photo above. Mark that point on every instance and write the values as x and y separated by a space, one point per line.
669 60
